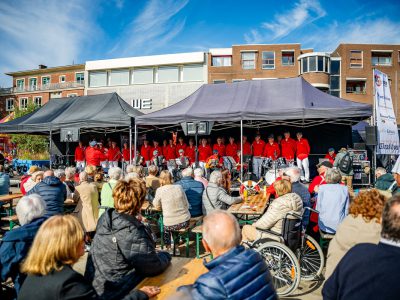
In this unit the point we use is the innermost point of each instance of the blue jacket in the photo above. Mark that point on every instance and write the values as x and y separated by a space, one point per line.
53 192
194 193
13 249
238 274
4 183
302 191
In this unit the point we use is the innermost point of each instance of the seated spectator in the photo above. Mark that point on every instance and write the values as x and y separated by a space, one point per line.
174 204
194 192
370 271
234 273
287 202
60 174
396 171
4 182
199 176
70 182
123 251
300 189
91 171
332 202
57 246
152 181
25 178
138 170
215 196
226 180
52 191
362 225
87 210
385 181
16 243
99 181
107 200
320 179
132 175
34 179
130 168
270 189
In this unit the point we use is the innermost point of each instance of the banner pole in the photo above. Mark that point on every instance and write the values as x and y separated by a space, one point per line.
374 123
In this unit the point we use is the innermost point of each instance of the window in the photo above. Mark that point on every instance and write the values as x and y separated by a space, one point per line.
327 61
335 93
222 61
20 83
381 58
355 86
237 80
38 101
9 104
219 81
45 80
268 60
193 73
55 95
145 103
80 78
248 60
32 84
141 76
119 77
98 79
62 78
23 103
72 95
287 58
335 81
168 74
356 59
304 65
312 64
335 67
320 63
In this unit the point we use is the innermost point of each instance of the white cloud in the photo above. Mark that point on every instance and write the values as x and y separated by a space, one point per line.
119 3
42 32
154 27
304 12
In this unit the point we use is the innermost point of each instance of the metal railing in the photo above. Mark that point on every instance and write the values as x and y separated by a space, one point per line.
6 91
49 86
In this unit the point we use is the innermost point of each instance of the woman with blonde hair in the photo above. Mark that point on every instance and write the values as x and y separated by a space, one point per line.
123 251
175 207
58 245
362 225
35 178
287 202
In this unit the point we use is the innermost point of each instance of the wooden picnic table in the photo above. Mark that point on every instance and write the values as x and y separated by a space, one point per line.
254 205
182 271
9 199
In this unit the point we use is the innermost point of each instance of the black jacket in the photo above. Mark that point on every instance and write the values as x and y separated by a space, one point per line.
64 284
122 254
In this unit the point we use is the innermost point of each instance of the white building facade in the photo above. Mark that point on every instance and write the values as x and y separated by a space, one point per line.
148 83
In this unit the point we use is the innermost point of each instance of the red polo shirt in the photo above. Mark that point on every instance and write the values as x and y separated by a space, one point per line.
272 150
179 147
114 154
231 149
288 148
145 152
191 153
246 148
302 148
169 152
258 148
125 154
331 158
204 152
79 153
220 148
159 149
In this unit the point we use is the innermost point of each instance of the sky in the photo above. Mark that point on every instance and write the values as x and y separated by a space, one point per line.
55 32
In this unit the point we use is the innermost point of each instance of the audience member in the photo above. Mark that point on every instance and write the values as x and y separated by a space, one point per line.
362 225
332 202
4 181
385 181
57 246
370 271
215 196
34 179
194 192
91 171
107 200
396 171
25 177
174 204
320 178
123 251
199 176
52 191
60 174
70 182
152 182
15 244
344 163
132 175
226 180
287 202
234 273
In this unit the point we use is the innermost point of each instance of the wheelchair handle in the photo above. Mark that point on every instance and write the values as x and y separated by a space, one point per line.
311 210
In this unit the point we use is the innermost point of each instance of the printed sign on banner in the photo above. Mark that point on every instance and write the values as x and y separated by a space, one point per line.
388 136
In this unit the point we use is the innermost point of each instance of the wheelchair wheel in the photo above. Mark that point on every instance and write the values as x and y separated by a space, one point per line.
311 259
283 266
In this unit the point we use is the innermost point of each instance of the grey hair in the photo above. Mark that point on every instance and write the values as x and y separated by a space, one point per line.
380 171
333 176
83 176
59 173
198 172
115 173
132 175
216 177
29 208
152 169
129 168
187 172
70 172
212 225
294 173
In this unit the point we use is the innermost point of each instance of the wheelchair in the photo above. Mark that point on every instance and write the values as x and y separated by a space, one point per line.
295 257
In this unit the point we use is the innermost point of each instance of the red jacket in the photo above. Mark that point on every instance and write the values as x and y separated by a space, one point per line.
246 148
114 154
272 151
191 153
80 153
317 181
125 154
24 179
288 148
169 152
204 152
258 148
220 148
93 156
271 189
159 149
231 149
146 152
331 158
179 147
302 148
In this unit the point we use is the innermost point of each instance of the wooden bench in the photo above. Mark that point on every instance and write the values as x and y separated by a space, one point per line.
13 220
193 223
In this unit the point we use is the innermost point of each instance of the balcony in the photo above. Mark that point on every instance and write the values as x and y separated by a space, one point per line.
50 86
6 91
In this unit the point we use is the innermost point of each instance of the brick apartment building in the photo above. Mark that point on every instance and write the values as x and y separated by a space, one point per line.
39 85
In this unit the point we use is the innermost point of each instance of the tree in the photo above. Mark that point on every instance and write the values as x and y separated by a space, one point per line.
31 147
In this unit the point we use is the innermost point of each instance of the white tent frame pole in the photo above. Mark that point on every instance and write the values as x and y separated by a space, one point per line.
241 150
50 146
130 144
135 139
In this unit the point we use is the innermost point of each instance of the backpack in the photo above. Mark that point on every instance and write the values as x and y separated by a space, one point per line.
346 163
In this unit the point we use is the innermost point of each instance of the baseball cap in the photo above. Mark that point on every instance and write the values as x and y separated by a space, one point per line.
331 149
93 143
325 163
215 151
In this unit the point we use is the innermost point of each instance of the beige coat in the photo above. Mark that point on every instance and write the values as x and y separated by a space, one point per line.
352 231
152 182
278 209
87 210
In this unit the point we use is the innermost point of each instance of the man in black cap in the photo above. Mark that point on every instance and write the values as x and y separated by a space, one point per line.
320 179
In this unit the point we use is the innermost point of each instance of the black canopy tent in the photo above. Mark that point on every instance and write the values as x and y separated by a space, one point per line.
259 104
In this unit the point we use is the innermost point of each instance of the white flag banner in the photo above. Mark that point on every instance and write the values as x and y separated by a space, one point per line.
388 136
